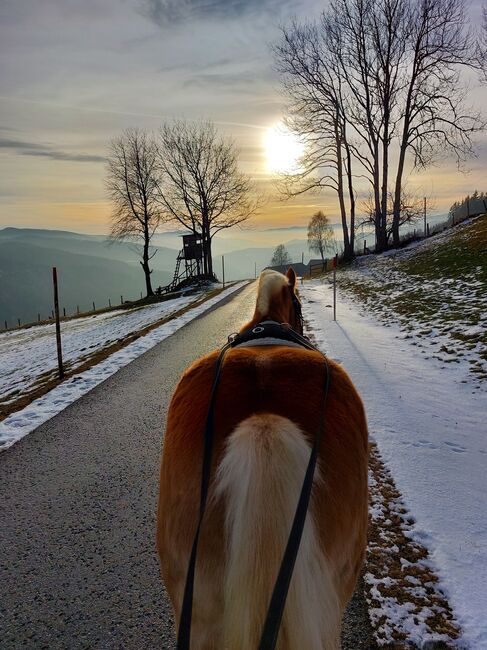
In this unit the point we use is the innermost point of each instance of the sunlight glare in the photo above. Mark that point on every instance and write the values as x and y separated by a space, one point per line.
284 150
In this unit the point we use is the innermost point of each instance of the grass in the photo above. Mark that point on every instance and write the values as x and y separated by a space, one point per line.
436 292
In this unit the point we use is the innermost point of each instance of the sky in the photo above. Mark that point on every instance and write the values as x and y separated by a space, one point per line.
75 73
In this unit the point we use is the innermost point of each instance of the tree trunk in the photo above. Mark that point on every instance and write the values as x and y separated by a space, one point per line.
145 264
385 172
351 198
347 251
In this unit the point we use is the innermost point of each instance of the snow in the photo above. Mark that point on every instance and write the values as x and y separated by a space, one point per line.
431 434
27 354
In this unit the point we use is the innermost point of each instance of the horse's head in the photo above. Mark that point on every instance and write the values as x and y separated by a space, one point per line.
277 300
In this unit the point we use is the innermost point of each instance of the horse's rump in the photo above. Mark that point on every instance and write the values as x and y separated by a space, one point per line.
278 390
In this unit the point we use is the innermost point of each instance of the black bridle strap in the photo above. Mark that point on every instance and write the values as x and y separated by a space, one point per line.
279 595
272 623
184 631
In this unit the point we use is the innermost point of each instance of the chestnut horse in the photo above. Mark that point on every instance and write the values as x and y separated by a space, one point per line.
268 408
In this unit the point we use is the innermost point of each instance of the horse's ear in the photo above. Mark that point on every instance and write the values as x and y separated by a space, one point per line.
291 276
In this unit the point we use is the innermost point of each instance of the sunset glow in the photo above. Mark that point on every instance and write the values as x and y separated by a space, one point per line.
284 150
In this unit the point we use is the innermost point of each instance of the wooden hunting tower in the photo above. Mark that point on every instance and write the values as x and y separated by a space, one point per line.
192 256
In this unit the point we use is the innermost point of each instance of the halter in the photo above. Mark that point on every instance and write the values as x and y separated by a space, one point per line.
283 333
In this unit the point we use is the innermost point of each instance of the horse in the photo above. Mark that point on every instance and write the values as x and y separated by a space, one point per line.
268 407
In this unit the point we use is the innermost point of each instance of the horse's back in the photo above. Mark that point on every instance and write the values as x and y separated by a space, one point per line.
281 381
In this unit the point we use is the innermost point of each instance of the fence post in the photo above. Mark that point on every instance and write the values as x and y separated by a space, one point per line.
365 246
121 300
18 321
424 210
58 325
335 262
223 270
77 309
6 326
64 312
38 317
109 302
94 308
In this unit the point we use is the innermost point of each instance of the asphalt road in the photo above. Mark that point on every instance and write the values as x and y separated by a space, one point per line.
78 567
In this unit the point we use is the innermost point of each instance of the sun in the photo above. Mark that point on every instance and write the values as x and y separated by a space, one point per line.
284 150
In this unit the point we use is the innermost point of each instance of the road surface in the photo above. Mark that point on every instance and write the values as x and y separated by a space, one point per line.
78 567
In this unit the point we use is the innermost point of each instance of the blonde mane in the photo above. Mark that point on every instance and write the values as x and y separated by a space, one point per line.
270 283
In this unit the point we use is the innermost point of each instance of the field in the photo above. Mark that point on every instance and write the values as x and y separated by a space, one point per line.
435 291
410 331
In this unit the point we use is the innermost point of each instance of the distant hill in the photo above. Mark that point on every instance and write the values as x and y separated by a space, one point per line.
88 270
92 270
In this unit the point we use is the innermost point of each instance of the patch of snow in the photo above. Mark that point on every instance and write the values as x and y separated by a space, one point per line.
430 430
19 424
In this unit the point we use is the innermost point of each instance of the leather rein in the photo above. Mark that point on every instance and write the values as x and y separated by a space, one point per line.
269 330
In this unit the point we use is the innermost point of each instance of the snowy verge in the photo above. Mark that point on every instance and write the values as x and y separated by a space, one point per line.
430 431
19 424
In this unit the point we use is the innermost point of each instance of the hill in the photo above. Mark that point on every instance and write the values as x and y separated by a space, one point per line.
436 290
84 277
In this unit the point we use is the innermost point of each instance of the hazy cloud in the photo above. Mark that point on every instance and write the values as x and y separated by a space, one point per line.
34 149
167 12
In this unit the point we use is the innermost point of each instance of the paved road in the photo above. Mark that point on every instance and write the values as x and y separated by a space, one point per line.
78 567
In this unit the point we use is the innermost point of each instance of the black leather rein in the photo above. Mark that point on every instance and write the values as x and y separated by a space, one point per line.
268 640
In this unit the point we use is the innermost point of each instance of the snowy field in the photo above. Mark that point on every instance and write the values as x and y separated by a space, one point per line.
28 356
430 430
435 290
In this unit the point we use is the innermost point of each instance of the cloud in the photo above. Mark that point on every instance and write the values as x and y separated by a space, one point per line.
169 12
34 149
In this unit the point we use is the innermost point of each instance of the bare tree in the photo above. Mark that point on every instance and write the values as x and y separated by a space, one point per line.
435 119
280 256
132 185
316 112
380 74
200 184
321 237
412 210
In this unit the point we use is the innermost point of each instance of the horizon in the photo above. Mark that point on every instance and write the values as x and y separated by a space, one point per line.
75 78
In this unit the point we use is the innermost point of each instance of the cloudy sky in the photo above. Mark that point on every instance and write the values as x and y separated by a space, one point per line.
74 73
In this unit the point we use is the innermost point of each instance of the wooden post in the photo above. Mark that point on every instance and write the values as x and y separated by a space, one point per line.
58 325
365 246
109 302
94 308
77 309
424 210
334 289
38 317
18 321
223 270
64 312
121 300
6 326
428 229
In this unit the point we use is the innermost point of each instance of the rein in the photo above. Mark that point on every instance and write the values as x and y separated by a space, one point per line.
268 640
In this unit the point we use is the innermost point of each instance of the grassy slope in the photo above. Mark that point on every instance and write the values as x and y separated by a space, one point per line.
436 291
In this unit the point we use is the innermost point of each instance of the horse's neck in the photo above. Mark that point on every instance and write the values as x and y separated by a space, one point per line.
275 313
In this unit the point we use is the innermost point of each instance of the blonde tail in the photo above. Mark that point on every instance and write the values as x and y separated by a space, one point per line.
260 479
